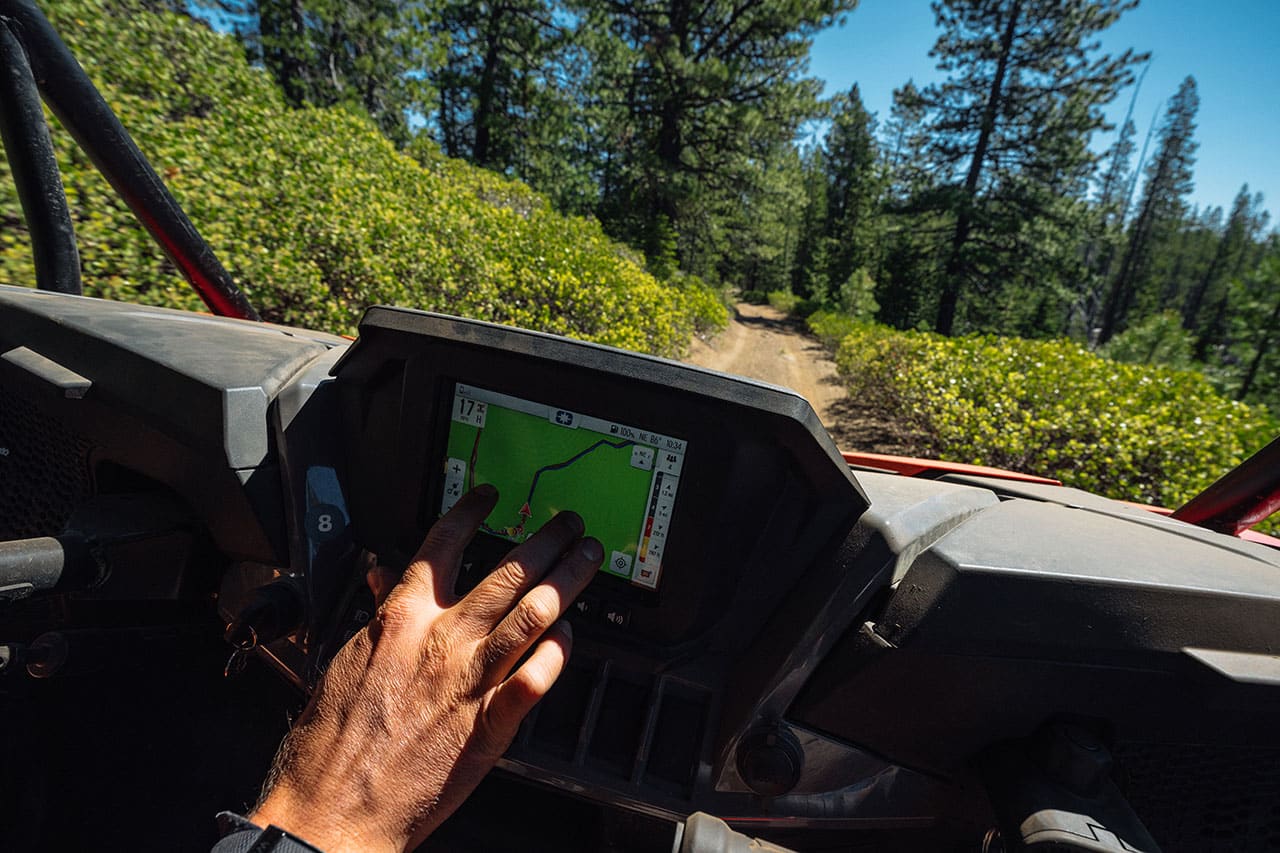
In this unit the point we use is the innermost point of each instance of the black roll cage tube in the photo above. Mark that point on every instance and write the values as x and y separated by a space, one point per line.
35 171
35 62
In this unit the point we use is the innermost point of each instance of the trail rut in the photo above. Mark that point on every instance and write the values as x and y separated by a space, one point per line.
763 343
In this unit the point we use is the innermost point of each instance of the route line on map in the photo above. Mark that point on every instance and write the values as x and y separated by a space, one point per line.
533 486
565 464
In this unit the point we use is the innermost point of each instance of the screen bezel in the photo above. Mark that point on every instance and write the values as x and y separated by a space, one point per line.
766 489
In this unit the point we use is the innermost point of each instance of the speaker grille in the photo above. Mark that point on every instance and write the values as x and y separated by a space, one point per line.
44 470
1202 798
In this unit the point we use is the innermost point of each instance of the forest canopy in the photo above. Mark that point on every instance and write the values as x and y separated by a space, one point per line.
996 200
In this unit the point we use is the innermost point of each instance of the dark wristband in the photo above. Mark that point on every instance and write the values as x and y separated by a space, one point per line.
275 840
246 837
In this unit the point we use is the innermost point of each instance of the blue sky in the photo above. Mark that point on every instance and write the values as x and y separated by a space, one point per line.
1231 47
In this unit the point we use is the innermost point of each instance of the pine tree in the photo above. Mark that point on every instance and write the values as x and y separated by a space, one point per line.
1011 126
809 265
1106 233
854 187
913 218
1257 295
1111 194
1161 208
905 142
1181 259
758 228
691 97
1232 252
1229 246
498 92
325 52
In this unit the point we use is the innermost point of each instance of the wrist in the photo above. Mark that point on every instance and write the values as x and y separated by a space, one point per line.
319 826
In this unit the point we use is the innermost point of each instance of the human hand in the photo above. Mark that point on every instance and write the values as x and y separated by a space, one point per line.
419 705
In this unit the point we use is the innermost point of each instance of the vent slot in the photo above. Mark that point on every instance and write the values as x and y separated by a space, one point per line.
620 724
629 727
677 738
563 712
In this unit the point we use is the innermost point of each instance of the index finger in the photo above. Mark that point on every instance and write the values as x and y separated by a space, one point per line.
434 569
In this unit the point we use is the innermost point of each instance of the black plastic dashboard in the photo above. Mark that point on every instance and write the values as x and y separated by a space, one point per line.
668 675
820 649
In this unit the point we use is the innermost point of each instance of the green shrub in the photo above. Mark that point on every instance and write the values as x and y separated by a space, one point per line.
791 303
707 305
1158 339
857 295
316 215
831 327
783 300
1141 433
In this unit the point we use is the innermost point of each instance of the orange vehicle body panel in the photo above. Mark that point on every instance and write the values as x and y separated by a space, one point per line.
910 466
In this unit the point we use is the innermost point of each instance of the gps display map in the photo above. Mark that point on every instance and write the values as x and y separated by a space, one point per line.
620 479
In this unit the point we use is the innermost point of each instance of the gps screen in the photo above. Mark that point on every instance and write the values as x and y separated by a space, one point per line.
622 480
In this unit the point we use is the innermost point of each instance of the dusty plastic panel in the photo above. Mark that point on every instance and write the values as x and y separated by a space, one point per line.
1029 611
180 398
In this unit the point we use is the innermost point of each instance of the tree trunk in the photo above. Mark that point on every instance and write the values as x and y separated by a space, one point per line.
448 128
1263 346
1119 292
663 210
292 71
1212 330
1195 298
480 152
1173 283
1124 286
964 218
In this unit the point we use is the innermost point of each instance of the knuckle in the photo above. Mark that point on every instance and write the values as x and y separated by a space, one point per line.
512 576
395 615
509 580
434 647
536 613
445 533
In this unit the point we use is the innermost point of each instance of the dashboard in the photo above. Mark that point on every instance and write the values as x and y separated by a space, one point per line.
774 637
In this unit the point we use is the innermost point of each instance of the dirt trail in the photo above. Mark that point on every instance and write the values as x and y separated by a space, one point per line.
766 344
763 343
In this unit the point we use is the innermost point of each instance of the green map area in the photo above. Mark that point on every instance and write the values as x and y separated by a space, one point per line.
541 468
